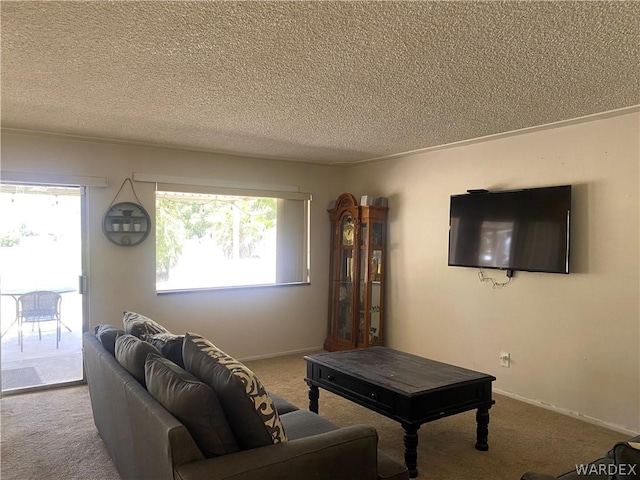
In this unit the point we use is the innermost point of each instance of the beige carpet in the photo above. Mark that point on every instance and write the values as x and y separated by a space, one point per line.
51 434
522 437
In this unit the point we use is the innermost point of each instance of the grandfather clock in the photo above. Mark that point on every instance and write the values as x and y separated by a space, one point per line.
356 283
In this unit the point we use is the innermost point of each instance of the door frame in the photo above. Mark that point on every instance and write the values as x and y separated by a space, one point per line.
82 183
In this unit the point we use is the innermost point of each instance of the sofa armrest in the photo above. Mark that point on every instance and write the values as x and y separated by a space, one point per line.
537 476
623 460
627 459
349 453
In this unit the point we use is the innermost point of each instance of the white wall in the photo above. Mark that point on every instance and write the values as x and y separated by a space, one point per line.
574 339
244 322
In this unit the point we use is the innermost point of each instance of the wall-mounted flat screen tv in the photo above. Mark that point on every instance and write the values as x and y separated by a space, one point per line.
525 230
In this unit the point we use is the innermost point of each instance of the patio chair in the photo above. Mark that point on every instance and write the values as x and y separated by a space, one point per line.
36 307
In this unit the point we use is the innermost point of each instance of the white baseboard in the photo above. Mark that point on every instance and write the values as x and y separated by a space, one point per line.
570 413
300 351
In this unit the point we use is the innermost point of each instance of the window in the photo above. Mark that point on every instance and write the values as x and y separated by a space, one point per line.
212 237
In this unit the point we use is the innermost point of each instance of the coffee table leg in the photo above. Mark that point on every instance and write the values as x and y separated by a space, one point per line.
314 395
411 448
482 431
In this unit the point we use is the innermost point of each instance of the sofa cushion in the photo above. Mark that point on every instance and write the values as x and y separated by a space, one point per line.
193 403
107 335
131 353
303 423
170 346
249 408
282 406
141 326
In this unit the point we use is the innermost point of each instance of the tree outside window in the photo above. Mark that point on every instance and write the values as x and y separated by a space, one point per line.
207 240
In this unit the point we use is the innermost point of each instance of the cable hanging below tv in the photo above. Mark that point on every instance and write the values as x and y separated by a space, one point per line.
514 230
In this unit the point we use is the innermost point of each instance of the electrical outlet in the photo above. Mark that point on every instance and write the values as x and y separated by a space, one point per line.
505 359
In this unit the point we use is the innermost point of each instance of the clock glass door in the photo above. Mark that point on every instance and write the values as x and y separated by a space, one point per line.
344 327
375 273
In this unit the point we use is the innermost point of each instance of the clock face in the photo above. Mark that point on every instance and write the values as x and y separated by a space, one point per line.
343 293
348 230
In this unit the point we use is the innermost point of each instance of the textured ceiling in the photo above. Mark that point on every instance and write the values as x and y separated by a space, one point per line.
326 82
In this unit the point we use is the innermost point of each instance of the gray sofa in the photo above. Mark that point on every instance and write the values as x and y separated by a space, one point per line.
622 462
146 441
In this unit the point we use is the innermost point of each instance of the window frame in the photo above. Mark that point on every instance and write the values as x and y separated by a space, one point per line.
224 188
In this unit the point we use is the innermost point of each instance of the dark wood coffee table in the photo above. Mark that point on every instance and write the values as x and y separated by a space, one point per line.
409 389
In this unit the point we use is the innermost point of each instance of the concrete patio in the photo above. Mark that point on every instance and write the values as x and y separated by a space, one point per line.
41 363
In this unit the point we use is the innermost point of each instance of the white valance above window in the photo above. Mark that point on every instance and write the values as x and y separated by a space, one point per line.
213 186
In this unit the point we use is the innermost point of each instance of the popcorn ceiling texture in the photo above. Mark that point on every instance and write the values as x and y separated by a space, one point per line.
326 82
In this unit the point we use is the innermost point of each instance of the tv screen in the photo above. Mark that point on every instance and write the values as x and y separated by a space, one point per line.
524 230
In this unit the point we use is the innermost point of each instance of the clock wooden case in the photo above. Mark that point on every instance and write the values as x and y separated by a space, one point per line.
356 285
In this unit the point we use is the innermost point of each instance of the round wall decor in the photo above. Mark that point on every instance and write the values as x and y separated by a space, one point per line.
126 224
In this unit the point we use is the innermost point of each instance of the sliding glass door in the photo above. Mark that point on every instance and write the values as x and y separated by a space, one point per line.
40 251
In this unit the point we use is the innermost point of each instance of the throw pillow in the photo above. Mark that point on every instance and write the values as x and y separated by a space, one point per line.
107 335
193 403
141 326
170 346
249 408
131 353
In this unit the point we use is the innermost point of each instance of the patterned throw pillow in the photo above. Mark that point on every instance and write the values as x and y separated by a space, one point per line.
141 326
131 353
249 408
193 403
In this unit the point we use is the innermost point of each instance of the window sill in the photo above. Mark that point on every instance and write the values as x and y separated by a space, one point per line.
233 287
